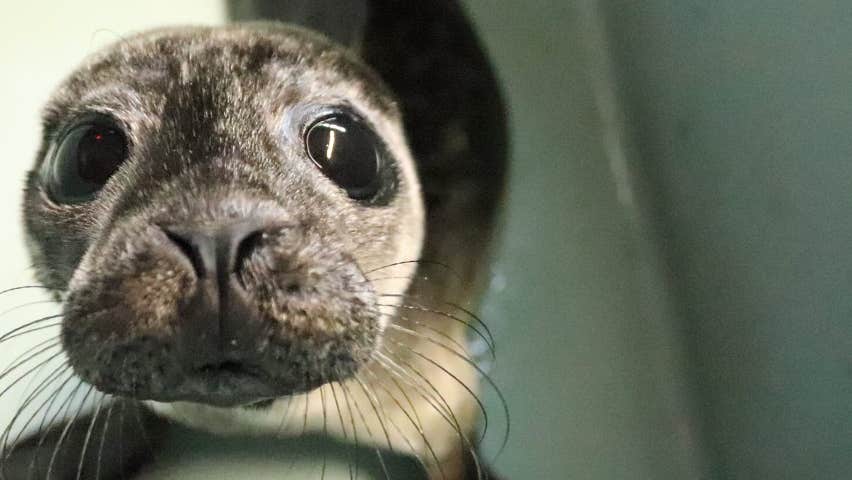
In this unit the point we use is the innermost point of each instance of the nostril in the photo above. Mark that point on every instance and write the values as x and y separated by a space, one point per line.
219 249
245 247
189 249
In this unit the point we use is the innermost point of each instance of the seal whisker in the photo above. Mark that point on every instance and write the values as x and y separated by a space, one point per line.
401 391
396 370
44 429
31 370
25 305
142 429
418 275
485 376
462 347
404 370
66 430
381 417
378 451
28 353
414 333
342 422
13 333
445 411
421 308
432 330
397 277
418 262
351 415
39 388
28 287
305 417
285 417
54 338
373 405
88 437
302 433
455 378
104 432
121 420
421 325
324 430
486 336
404 373
7 449
415 423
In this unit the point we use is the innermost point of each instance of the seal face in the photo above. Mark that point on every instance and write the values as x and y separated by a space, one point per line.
211 202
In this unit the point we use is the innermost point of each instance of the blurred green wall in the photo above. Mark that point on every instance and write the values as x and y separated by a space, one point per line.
671 297
742 113
588 354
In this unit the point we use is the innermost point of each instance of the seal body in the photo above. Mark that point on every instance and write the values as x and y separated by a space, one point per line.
248 262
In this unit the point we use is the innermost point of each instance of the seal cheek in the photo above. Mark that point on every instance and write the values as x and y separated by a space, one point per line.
152 297
120 320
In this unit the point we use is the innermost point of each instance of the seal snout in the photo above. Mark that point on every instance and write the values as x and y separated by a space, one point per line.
218 319
216 308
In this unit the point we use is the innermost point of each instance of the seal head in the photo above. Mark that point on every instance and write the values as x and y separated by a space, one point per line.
211 203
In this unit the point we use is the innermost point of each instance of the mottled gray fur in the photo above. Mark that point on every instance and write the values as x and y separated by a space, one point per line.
215 119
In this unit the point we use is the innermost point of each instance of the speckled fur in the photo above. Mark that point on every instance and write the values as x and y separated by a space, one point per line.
215 119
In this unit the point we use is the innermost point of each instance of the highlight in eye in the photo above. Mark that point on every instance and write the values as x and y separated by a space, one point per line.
348 152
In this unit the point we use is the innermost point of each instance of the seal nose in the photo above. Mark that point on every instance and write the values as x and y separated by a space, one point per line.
215 251
218 319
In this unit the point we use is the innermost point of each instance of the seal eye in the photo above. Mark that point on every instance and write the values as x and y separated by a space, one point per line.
86 157
347 152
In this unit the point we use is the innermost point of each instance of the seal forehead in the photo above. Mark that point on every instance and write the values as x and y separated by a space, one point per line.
225 56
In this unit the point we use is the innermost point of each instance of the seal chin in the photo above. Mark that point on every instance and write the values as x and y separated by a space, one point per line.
229 384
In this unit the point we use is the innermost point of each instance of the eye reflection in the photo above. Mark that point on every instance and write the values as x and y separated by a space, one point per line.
347 152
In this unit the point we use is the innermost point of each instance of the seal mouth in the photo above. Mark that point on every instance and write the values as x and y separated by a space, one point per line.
233 369
231 379
225 384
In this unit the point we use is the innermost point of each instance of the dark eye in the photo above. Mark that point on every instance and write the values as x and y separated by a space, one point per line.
347 152
84 159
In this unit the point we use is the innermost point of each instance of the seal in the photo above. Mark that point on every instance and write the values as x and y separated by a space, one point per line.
235 223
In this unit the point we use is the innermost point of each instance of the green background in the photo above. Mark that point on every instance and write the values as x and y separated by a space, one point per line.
670 294
698 324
